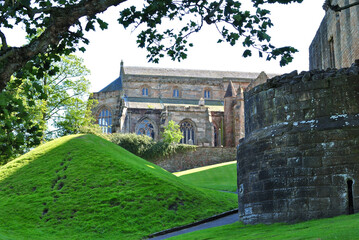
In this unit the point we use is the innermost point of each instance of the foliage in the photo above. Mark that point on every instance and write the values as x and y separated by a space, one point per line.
37 106
164 149
172 133
342 227
219 178
233 22
21 123
67 105
64 35
136 144
84 187
145 147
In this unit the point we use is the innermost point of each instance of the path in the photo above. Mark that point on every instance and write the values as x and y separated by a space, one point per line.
203 168
232 218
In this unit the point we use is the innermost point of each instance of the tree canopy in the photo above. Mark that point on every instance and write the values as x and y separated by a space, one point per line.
63 32
35 108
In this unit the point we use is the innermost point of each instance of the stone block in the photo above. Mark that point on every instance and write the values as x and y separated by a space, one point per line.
274 183
298 203
298 181
282 193
294 161
312 162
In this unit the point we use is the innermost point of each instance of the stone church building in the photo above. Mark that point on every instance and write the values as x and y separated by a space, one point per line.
208 105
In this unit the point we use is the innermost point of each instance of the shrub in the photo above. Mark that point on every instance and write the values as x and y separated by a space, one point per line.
164 149
145 147
136 144
172 133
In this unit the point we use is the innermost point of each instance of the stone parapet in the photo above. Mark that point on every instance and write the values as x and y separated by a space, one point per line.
300 157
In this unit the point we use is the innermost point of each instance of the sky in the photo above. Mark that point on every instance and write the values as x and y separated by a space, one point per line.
294 25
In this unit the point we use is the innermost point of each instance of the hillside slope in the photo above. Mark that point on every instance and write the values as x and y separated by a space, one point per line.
84 187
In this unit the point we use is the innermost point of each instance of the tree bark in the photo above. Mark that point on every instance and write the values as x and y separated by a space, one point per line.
62 19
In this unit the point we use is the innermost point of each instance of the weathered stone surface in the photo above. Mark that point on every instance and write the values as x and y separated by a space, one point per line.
300 152
336 41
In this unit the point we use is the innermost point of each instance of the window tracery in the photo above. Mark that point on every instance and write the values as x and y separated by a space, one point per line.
146 127
105 121
188 131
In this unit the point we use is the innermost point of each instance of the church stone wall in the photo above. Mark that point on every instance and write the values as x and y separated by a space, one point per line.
300 157
135 116
190 88
201 119
338 33
110 101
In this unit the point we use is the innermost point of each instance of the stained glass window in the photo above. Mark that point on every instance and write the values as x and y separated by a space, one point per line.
145 127
207 94
105 121
145 92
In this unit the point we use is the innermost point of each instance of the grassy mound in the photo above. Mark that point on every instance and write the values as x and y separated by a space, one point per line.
342 227
219 178
84 187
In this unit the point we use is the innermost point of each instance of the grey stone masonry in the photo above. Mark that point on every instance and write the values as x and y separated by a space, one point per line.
299 159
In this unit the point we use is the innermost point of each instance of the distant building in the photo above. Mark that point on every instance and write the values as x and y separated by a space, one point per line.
336 43
206 104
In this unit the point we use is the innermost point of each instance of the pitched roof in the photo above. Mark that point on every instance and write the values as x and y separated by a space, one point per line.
147 71
114 86
231 92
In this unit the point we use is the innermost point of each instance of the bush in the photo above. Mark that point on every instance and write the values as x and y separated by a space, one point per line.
164 149
136 144
172 133
145 147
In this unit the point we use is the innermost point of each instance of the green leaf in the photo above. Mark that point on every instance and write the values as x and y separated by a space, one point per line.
247 53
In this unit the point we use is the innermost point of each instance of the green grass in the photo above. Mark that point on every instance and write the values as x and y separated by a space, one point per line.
219 178
341 228
84 187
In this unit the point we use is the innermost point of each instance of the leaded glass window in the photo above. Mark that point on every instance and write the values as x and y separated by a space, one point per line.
145 92
175 93
207 94
145 127
188 132
105 121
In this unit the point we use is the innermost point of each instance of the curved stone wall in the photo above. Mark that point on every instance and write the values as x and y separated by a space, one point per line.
300 157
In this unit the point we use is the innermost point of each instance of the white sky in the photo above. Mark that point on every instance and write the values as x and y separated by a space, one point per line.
294 25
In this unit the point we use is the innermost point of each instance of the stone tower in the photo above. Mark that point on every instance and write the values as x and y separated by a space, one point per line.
335 44
229 102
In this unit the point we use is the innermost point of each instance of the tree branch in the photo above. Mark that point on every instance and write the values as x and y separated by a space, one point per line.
61 20
3 41
51 112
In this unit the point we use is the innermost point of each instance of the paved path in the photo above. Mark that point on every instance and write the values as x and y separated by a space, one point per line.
202 168
215 223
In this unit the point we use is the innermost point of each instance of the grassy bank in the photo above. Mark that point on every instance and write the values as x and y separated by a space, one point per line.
341 228
84 187
219 178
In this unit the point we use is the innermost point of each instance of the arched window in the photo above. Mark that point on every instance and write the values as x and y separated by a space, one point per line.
145 92
175 93
105 121
188 132
207 93
145 127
